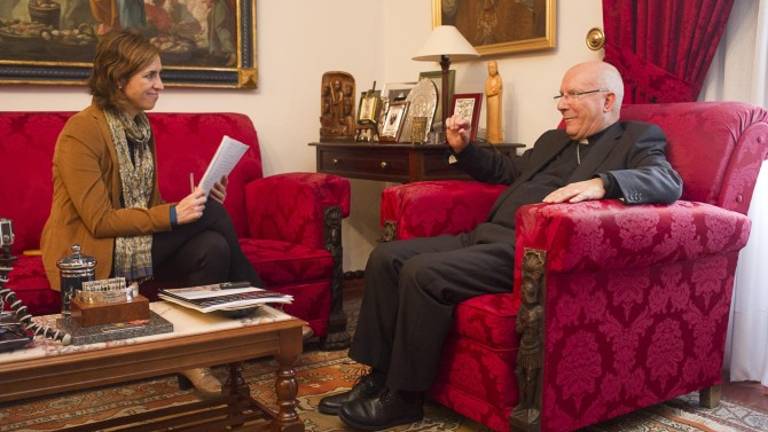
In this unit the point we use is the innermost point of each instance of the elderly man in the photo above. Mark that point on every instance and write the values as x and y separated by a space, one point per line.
412 286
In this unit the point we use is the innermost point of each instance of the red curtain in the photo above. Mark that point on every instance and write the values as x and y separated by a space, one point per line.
663 48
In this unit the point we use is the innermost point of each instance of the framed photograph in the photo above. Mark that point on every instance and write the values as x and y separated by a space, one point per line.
393 121
368 107
437 78
397 91
54 42
467 106
500 26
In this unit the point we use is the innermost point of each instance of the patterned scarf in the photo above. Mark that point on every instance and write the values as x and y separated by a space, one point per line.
133 255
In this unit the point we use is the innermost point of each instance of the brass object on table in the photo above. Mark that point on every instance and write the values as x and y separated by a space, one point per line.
418 129
595 38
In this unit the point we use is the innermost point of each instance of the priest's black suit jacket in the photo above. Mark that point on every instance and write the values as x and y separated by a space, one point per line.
632 154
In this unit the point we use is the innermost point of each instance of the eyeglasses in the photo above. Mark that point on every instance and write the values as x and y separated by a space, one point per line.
575 95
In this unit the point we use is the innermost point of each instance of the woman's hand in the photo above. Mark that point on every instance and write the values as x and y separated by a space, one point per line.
219 191
191 207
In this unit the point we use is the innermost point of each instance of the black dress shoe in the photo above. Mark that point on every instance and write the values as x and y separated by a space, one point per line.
390 408
366 387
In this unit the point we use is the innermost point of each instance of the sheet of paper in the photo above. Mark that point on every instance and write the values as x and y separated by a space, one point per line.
227 155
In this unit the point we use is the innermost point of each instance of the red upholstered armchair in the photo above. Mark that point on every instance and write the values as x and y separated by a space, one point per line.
633 300
289 224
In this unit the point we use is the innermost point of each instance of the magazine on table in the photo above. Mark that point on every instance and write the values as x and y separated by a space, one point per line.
222 297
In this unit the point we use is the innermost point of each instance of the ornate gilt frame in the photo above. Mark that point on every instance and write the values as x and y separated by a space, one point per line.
242 76
533 44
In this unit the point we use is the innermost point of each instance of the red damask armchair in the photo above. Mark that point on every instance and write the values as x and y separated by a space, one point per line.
289 225
631 302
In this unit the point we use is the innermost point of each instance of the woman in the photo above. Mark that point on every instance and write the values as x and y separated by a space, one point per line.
106 197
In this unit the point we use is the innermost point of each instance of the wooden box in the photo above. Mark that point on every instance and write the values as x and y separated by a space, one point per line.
109 313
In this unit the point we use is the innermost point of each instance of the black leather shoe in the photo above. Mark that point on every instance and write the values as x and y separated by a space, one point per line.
390 408
366 387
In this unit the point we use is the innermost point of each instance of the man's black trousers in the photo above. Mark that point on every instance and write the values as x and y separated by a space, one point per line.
411 290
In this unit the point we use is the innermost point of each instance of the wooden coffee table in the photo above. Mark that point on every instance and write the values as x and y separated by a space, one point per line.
198 340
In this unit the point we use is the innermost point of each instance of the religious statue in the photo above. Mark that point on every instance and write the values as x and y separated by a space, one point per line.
337 107
493 96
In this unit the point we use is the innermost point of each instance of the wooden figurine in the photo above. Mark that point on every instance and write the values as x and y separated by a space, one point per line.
493 96
337 107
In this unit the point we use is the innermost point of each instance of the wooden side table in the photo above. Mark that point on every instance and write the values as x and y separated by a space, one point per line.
395 162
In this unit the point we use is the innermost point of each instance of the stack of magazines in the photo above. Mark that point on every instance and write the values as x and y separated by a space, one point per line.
217 297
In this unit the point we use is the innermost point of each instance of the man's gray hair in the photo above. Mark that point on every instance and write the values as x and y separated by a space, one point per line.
610 79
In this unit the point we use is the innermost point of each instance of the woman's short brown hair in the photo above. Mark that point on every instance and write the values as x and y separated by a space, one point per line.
119 55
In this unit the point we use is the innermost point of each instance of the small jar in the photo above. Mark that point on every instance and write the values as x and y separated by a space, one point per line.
74 270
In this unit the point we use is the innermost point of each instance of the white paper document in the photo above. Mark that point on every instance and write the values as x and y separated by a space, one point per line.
227 155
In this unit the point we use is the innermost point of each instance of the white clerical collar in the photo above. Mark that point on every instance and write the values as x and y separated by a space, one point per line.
583 141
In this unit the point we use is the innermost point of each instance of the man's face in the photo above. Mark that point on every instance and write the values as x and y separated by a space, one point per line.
585 114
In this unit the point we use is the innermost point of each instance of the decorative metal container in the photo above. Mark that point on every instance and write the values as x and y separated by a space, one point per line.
74 270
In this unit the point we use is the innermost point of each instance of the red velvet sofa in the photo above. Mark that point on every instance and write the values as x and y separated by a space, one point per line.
289 224
635 299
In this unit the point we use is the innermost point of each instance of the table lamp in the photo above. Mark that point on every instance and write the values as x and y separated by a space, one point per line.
446 44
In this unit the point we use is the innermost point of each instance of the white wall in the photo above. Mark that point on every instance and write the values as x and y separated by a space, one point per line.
530 79
298 40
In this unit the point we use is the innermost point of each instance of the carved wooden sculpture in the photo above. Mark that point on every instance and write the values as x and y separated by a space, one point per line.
530 324
337 107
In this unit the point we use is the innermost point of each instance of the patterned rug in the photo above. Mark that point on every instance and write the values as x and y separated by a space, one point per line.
320 373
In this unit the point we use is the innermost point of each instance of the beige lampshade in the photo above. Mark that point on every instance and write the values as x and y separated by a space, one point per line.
446 40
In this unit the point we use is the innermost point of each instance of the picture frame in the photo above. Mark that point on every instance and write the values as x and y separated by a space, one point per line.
368 107
468 106
496 27
437 78
393 121
59 50
397 91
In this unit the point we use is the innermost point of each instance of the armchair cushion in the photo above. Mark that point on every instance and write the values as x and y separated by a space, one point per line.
282 263
289 207
30 284
437 207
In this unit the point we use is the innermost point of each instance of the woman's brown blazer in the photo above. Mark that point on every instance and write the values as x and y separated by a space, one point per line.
86 207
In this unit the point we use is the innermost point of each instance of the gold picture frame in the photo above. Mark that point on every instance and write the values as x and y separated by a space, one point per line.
496 27
368 107
55 48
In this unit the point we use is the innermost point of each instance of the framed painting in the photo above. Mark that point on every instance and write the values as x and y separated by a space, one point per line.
500 26
203 43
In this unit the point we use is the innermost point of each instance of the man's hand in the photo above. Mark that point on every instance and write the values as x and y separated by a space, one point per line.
219 191
191 207
586 190
457 133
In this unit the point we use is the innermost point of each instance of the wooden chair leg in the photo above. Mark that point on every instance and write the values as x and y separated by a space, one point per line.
710 397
